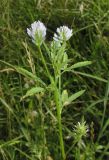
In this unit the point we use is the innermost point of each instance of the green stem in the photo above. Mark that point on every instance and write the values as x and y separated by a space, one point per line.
58 107
44 63
58 104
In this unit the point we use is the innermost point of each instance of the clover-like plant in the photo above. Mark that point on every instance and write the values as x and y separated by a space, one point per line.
59 60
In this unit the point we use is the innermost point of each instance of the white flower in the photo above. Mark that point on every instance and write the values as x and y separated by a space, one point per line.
63 34
37 32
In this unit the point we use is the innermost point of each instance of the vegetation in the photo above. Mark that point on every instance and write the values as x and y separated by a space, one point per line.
47 112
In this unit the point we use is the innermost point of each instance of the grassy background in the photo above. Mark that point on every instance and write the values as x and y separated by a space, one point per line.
23 135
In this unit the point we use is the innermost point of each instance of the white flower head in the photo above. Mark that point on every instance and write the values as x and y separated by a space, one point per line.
63 34
37 32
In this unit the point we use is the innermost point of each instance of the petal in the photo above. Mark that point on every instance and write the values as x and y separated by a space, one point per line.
29 32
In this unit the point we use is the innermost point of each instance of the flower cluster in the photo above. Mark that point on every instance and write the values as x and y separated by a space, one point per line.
38 33
63 34
80 131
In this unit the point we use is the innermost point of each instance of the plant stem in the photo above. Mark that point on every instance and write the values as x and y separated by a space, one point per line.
58 104
58 107
44 63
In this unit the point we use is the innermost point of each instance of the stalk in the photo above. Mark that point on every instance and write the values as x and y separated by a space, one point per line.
44 63
58 107
58 104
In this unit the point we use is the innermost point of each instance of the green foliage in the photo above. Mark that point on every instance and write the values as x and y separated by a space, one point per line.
73 97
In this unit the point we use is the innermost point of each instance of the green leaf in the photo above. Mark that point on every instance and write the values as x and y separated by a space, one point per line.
64 96
103 129
73 97
11 142
64 62
33 91
79 64
25 72
28 74
6 105
91 76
